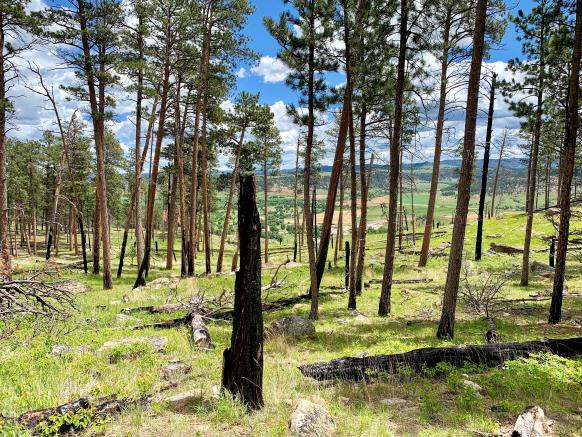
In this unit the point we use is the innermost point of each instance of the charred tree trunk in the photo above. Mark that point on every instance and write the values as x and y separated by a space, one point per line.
242 371
447 322
483 192
568 171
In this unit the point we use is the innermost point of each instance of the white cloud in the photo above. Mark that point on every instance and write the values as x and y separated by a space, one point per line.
241 73
272 70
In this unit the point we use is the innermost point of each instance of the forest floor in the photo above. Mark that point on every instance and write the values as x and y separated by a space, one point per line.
431 403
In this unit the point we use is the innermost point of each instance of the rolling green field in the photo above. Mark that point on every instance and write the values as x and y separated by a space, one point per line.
434 402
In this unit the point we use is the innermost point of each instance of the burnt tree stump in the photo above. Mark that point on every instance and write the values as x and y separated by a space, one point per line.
242 369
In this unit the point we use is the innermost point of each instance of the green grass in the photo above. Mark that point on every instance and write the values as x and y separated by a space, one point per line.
437 402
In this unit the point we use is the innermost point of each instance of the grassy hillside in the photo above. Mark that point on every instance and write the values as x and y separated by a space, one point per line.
430 403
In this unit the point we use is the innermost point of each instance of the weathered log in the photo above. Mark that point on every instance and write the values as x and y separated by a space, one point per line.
101 407
356 368
200 334
508 250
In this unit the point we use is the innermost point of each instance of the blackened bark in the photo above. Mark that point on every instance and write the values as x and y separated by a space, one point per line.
242 371
83 243
355 368
483 193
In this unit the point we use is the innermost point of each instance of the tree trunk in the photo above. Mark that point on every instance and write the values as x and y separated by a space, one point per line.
135 203
497 174
229 201
339 228
334 180
313 313
447 322
171 224
5 261
424 251
96 236
242 371
534 162
483 192
180 128
353 209
395 146
144 267
568 171
365 185
295 209
266 212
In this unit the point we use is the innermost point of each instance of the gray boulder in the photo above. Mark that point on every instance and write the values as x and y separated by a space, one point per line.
311 420
292 326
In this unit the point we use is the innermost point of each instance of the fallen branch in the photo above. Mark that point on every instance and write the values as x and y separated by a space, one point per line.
491 355
227 315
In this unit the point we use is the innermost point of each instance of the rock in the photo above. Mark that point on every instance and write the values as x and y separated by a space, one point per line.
101 307
73 286
62 349
311 420
215 389
473 385
363 355
539 267
163 282
393 401
125 298
175 370
531 423
494 235
292 326
184 401
124 319
158 343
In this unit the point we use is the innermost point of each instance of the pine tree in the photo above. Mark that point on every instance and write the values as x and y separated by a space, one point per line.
304 38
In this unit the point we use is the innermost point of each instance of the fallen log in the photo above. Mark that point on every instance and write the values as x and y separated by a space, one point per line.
101 407
200 334
507 250
491 355
156 309
227 315
402 281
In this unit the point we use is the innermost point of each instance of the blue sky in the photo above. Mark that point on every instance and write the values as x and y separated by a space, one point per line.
267 77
